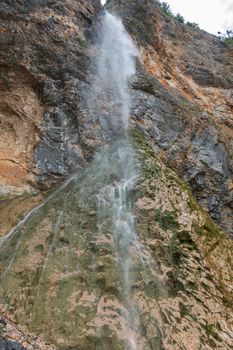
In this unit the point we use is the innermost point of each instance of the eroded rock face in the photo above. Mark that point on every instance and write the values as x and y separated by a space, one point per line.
182 100
20 116
15 337
44 62
62 281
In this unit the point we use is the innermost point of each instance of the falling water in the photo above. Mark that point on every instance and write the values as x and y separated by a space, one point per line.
115 67
106 186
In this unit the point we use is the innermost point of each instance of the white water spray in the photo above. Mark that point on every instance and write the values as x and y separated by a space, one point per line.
115 67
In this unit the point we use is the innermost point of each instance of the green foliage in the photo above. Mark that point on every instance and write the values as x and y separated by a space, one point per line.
208 229
227 37
1 329
165 7
228 34
150 170
184 310
167 220
177 253
229 42
192 24
179 18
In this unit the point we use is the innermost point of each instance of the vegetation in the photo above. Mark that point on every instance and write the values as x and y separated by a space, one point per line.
166 9
227 37
192 24
179 18
167 220
1 329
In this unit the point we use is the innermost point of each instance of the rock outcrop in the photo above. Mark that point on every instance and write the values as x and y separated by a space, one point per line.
44 60
58 277
15 337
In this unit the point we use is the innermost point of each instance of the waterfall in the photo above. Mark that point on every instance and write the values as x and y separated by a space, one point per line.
115 67
54 241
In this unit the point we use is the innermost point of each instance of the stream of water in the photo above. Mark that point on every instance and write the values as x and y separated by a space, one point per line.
115 67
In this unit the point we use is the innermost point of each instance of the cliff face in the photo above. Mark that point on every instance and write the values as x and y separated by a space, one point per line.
57 278
182 97
43 65
183 101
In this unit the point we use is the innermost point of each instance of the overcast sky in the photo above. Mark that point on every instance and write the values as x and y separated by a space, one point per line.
211 15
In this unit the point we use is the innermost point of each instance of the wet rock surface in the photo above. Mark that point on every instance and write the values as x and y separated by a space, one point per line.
62 267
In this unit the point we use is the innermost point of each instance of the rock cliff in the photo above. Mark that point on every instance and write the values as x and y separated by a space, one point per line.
57 277
183 101
44 62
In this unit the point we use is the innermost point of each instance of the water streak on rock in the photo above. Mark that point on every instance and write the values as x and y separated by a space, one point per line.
115 67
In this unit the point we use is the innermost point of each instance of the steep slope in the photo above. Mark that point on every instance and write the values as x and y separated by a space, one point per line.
61 281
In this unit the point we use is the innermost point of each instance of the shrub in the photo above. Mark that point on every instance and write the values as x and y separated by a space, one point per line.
192 24
229 42
179 18
1 329
227 38
166 8
229 34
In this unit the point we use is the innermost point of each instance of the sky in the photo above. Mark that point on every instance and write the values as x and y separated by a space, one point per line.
211 15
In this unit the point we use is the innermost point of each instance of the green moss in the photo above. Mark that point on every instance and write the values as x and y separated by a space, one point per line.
154 289
177 253
184 310
209 229
141 142
174 284
227 301
156 343
210 330
229 42
148 162
84 44
167 220
5 197
185 237
1 329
